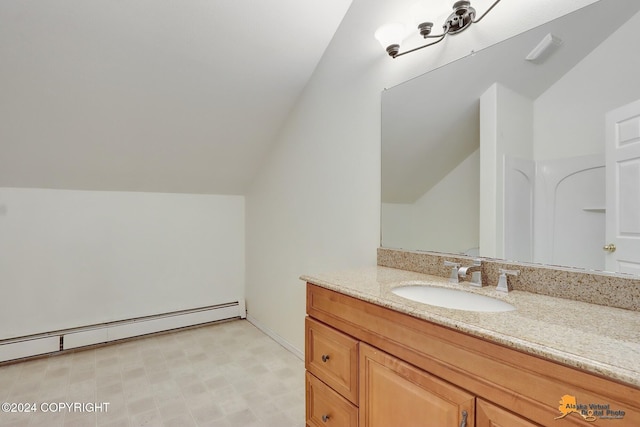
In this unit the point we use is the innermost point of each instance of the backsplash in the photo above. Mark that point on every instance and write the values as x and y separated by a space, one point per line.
607 289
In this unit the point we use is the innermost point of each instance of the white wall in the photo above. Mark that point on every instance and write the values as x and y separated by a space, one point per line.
519 193
505 130
72 258
397 222
315 203
569 116
455 229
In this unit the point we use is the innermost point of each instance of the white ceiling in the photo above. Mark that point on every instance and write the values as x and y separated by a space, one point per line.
151 95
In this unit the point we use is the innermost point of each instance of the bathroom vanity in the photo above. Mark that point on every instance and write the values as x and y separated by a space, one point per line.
569 354
376 359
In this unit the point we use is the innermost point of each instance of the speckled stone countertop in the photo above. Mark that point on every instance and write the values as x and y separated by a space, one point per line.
598 339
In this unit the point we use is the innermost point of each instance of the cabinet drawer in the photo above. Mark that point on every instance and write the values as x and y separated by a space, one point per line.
489 415
326 408
333 357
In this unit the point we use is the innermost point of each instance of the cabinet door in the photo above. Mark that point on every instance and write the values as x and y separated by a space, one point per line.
489 415
394 393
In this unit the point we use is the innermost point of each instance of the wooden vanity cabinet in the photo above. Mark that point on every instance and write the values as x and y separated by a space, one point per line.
394 393
410 372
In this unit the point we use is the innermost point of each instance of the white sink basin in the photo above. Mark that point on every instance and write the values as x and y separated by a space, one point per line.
451 298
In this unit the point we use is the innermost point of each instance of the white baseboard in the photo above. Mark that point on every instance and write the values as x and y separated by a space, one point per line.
148 326
277 338
56 341
18 350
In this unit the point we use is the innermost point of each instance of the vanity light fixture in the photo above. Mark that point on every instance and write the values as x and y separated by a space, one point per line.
391 35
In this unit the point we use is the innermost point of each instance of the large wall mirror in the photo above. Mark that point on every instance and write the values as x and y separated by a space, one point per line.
503 157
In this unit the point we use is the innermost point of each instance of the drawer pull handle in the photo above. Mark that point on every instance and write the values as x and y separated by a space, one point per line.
463 423
325 358
325 418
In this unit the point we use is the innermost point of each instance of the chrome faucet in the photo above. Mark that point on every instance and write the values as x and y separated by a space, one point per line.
476 272
453 277
458 272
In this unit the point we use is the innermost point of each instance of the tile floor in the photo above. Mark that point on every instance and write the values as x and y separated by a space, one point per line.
223 375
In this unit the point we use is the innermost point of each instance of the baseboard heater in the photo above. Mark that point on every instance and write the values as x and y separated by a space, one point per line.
66 339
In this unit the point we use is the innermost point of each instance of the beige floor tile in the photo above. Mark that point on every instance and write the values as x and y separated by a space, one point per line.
146 419
206 413
224 375
113 422
182 420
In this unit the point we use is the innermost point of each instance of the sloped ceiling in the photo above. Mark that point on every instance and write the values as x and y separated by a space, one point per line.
151 95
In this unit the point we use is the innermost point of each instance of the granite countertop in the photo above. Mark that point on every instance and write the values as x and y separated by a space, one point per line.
598 339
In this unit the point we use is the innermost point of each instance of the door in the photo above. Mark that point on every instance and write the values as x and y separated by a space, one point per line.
623 189
394 393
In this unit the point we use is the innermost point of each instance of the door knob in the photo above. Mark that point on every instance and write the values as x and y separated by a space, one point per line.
609 248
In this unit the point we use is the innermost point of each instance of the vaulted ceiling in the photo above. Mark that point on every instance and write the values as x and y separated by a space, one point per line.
151 95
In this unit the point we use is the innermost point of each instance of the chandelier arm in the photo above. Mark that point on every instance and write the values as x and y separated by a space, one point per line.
488 10
430 36
421 47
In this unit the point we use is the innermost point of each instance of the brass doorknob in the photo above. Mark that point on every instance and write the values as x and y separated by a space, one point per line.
609 248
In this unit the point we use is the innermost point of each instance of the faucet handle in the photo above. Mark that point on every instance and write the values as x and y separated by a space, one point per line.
509 272
503 285
453 278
